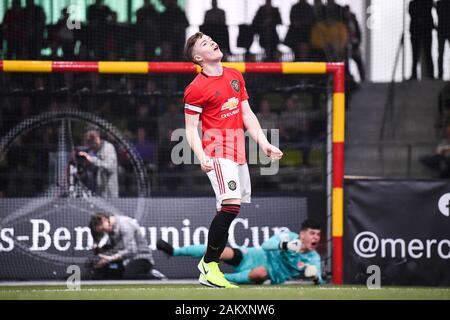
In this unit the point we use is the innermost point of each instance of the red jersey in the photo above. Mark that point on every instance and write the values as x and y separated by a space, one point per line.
218 100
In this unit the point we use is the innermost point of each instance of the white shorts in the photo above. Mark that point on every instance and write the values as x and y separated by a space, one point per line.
230 181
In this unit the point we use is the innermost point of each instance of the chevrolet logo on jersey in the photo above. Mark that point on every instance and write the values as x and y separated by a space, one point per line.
231 104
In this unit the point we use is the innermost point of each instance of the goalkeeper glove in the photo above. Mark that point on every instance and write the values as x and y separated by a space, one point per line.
312 273
293 245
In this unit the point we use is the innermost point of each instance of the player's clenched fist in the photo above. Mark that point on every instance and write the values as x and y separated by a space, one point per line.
206 164
273 152
311 271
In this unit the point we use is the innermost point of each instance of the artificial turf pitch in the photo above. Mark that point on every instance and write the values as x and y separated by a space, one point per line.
197 292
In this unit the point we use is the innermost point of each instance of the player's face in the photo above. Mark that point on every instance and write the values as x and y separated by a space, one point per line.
310 238
207 50
105 226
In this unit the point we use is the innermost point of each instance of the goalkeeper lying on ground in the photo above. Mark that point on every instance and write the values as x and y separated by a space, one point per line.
283 257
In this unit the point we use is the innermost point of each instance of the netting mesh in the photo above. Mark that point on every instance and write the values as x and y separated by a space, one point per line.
41 118
49 193
94 30
139 30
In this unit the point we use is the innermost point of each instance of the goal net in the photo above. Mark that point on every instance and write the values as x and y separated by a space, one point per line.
51 111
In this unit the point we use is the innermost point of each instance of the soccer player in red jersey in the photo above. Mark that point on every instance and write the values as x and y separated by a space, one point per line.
218 99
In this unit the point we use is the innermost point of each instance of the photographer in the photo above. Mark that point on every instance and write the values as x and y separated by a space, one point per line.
126 255
101 158
103 247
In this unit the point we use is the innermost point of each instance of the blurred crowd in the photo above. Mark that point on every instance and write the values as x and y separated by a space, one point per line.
319 32
421 30
148 121
102 37
147 107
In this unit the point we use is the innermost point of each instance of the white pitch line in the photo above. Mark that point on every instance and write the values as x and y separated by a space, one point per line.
136 289
99 290
95 282
114 282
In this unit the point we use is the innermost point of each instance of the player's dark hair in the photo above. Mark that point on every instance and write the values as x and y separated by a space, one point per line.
190 46
95 221
310 224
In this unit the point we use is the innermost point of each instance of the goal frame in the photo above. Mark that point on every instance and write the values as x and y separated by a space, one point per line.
337 123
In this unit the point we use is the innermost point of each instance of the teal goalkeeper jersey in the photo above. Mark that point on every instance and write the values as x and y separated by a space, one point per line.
284 265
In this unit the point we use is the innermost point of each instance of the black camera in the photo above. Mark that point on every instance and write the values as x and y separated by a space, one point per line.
79 161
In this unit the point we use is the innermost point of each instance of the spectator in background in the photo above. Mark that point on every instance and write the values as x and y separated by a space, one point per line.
215 15
440 161
112 45
145 119
101 158
329 39
245 40
354 37
14 31
319 10
98 14
298 37
172 120
34 19
215 26
148 33
267 118
145 147
443 12
289 121
173 24
443 106
334 10
295 127
265 25
97 19
421 28
62 37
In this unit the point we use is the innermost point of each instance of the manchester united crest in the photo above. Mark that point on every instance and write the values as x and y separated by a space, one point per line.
232 185
235 85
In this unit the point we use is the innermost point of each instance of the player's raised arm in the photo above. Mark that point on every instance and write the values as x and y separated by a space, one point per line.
193 138
280 241
253 127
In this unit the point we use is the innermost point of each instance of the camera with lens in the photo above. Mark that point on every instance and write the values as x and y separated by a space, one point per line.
80 162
